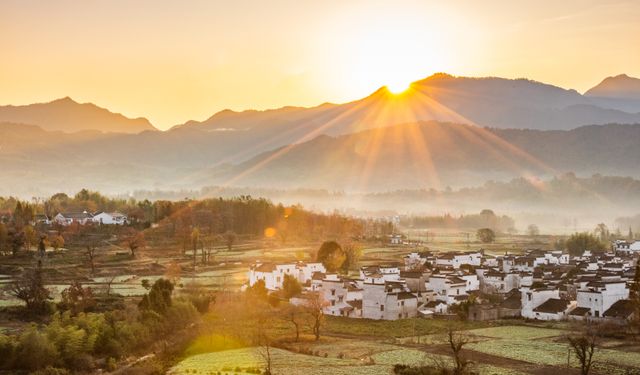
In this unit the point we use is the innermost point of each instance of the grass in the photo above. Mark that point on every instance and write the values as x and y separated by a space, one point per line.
247 360
391 328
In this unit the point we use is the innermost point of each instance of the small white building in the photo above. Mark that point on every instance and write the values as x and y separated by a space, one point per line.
599 296
109 218
388 300
455 260
273 274
68 218
629 247
448 288
532 298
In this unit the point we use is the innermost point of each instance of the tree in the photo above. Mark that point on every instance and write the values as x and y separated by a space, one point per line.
331 255
602 232
533 230
578 243
77 298
456 342
4 239
634 295
30 236
195 241
159 297
583 346
258 291
295 315
314 307
230 238
485 235
42 246
16 241
353 253
31 290
56 242
133 240
290 287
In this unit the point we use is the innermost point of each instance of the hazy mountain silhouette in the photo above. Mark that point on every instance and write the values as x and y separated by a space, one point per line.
621 86
436 155
494 102
69 116
419 155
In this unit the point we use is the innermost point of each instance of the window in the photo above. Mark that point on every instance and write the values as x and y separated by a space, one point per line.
402 303
381 307
333 292
400 316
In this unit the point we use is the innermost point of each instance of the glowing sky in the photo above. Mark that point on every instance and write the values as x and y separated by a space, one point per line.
172 61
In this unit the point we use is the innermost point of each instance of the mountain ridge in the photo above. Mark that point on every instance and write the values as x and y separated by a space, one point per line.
65 114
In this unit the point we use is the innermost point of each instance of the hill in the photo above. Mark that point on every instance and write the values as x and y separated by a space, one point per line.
491 101
70 116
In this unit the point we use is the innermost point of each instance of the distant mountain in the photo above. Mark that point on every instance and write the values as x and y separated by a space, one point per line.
69 116
621 86
436 155
418 155
493 102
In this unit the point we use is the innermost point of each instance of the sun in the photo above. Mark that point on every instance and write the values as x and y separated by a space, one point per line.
398 87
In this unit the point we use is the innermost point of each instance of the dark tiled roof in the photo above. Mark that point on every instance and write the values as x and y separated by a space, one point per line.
406 295
514 301
580 311
318 276
621 309
552 306
266 267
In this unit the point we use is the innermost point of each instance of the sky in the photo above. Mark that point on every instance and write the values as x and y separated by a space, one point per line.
173 61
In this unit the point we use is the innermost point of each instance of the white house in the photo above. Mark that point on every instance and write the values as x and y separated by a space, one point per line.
380 273
69 218
599 296
110 218
532 298
553 309
273 274
388 300
448 288
499 282
455 260
627 246
341 297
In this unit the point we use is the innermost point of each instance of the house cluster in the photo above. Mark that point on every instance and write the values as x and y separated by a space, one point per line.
83 218
542 285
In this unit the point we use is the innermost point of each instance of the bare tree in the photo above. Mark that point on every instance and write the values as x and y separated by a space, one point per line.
90 252
230 238
457 341
30 288
584 346
314 307
294 314
133 240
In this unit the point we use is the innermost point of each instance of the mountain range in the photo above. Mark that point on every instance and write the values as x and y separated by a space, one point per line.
443 131
70 116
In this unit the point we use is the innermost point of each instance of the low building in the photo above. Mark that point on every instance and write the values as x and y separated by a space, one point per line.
553 309
68 218
388 300
273 274
110 218
599 296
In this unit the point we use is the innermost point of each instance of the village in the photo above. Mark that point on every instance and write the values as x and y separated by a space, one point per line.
540 285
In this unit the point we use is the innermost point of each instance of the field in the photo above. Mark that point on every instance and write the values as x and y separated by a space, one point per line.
347 346
499 349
